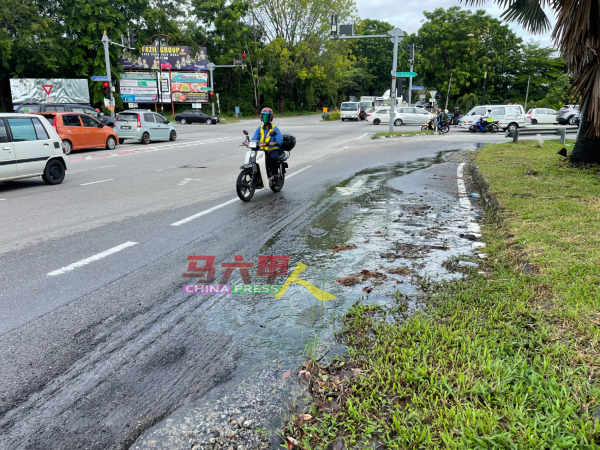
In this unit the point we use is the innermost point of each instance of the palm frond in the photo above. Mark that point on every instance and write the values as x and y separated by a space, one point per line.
529 14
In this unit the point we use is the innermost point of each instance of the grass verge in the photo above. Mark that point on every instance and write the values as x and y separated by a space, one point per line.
505 356
402 134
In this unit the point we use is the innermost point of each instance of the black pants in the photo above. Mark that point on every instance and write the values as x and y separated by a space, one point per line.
273 162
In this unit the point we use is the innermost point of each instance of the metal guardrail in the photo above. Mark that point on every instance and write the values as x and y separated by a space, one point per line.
530 131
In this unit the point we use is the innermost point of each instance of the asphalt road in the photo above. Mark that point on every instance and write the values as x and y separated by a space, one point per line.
97 340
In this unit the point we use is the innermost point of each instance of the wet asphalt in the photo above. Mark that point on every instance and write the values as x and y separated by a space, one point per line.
96 355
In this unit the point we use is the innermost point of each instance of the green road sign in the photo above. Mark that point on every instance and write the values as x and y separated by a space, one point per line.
406 74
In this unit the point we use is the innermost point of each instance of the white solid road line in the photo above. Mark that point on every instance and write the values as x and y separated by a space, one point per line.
93 168
96 182
228 202
91 259
362 136
2 199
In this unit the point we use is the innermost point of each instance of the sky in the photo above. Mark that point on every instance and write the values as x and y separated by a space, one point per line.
408 14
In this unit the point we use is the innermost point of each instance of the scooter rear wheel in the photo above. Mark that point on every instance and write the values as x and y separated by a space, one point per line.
445 129
245 185
276 184
424 128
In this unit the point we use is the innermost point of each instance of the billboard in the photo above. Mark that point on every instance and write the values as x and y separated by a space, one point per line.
189 87
139 87
49 90
169 58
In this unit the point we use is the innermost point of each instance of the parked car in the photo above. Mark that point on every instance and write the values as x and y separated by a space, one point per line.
30 148
80 131
57 107
195 116
542 115
577 119
508 116
566 114
350 111
144 126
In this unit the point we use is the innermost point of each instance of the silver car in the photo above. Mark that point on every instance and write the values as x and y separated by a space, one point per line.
144 126
413 116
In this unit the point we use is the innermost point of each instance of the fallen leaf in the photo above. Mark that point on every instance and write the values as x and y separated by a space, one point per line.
291 442
341 248
367 289
305 417
262 326
287 374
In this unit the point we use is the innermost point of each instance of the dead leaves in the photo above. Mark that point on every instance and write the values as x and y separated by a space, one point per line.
343 248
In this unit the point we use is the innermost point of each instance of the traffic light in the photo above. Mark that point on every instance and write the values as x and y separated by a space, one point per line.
410 52
243 58
106 89
133 37
211 96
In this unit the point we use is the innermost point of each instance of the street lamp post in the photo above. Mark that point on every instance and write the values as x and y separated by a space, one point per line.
485 39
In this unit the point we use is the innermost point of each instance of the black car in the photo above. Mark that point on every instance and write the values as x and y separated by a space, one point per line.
74 107
195 116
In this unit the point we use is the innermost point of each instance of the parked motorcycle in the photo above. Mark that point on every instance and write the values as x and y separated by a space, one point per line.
431 126
254 174
491 127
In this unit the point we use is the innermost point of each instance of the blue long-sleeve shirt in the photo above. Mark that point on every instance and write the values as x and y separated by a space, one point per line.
278 137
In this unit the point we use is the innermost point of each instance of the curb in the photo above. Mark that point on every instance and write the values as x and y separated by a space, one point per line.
489 199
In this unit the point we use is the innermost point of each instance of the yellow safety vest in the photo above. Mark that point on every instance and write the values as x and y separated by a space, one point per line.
264 137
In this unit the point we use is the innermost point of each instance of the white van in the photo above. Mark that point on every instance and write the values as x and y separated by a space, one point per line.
350 111
509 116
30 147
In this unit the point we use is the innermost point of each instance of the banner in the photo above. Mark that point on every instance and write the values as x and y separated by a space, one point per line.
189 87
170 57
49 90
138 87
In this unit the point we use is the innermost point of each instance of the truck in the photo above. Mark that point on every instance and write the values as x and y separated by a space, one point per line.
386 100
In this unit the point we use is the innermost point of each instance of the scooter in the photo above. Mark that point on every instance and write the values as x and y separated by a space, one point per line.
431 126
254 174
492 127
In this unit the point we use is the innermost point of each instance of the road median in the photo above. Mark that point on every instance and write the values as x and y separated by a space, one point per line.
503 355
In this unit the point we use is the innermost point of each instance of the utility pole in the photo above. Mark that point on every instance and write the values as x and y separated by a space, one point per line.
448 92
412 60
105 41
487 47
396 35
527 94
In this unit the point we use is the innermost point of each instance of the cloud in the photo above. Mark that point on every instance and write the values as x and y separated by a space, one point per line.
408 15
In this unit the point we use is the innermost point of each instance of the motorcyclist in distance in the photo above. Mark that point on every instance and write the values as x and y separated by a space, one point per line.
269 144
483 120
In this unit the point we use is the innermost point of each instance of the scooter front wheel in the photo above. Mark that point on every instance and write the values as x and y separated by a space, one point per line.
424 128
245 185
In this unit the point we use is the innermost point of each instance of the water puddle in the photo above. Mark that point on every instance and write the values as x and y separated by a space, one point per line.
392 225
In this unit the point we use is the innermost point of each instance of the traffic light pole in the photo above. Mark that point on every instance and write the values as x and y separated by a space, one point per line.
395 35
210 68
412 60
106 41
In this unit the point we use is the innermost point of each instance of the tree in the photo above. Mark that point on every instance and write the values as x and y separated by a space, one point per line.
376 54
577 35
444 47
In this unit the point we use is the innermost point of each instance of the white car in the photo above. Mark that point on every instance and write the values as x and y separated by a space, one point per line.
403 116
30 147
508 116
542 115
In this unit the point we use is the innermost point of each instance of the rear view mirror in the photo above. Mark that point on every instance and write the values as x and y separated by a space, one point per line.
273 133
245 132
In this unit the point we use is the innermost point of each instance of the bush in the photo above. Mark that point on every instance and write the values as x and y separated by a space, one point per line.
333 116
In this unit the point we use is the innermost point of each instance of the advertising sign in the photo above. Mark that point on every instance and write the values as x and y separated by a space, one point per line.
139 87
189 87
170 58
37 90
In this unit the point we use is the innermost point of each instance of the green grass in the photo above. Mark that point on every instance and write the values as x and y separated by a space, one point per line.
402 134
501 359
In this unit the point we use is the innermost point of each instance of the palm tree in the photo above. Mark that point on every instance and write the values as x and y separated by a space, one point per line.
577 35
467 101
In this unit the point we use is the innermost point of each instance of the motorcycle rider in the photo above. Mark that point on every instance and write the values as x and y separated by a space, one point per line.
439 119
484 119
270 144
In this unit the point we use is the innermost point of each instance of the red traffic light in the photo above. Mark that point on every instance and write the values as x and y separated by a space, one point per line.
105 84
244 55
